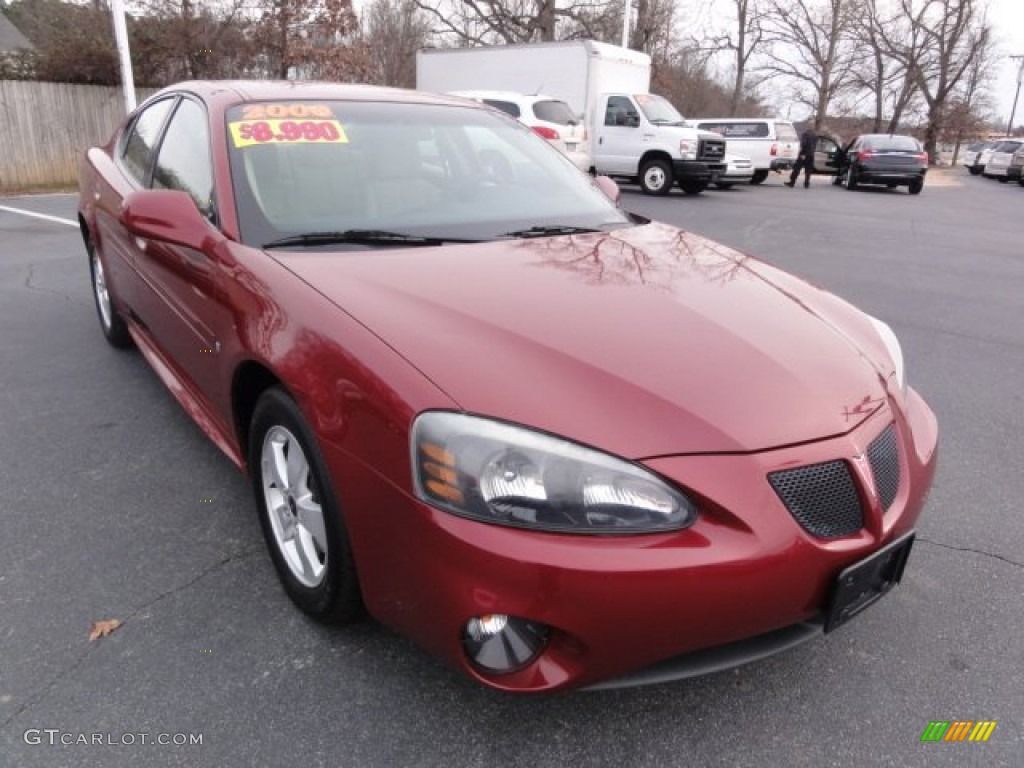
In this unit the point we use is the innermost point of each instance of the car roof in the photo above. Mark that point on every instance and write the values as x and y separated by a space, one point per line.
887 136
227 93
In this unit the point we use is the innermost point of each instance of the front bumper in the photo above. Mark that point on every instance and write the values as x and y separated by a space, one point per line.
697 170
617 605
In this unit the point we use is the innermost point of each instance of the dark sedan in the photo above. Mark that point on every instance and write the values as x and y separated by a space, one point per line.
890 160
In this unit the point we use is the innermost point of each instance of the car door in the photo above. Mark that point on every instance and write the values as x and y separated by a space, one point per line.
828 156
188 317
133 160
618 146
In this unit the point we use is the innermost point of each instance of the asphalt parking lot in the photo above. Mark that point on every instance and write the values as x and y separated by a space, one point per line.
115 506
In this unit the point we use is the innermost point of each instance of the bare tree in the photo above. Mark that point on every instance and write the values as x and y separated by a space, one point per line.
812 47
746 36
311 39
886 77
393 31
953 35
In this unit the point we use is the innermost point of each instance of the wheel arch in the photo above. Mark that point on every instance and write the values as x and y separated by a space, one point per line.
654 154
250 380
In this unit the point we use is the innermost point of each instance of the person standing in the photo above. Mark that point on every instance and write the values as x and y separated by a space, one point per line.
805 159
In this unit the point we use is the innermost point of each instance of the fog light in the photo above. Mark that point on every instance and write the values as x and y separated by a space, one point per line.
501 643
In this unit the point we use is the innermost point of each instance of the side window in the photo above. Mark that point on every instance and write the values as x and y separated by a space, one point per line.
620 111
508 107
138 149
184 159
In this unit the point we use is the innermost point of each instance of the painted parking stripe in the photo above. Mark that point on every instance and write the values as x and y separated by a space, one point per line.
43 216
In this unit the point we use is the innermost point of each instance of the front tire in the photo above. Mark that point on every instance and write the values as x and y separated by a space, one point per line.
656 177
115 331
299 512
974 170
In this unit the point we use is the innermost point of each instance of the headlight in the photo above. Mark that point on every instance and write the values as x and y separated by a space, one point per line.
892 344
688 149
500 473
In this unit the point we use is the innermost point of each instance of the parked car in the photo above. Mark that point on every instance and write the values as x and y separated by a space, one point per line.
407 357
1013 172
999 161
738 170
973 154
982 159
891 160
550 118
771 144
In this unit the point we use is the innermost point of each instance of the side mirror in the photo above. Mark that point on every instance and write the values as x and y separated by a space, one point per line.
609 187
168 215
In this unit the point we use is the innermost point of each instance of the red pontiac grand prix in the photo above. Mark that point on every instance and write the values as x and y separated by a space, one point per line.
554 443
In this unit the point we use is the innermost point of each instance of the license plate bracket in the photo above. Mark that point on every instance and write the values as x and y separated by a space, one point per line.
866 582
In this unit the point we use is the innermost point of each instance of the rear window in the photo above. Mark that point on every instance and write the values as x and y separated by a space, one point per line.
738 130
508 107
554 112
893 143
785 132
1007 146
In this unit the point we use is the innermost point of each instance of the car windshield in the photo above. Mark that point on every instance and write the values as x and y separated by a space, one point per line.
658 110
892 144
1007 146
409 170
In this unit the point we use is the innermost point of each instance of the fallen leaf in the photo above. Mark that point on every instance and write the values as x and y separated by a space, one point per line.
103 628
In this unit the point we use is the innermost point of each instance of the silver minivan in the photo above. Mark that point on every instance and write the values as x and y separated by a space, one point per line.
771 144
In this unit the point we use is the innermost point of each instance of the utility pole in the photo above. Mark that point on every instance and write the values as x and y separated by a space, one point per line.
121 37
1020 79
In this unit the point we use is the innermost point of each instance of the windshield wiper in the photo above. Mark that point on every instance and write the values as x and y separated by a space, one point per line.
551 230
361 236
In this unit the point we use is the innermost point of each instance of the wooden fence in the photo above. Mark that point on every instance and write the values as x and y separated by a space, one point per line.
45 127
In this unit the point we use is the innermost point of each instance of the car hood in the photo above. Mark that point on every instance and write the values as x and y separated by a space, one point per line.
645 341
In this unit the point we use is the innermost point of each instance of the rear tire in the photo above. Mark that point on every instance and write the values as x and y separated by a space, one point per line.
851 179
974 170
723 185
916 186
115 331
299 512
656 177
1002 179
759 177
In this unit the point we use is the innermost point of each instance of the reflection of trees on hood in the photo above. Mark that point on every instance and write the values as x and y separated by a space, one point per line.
657 258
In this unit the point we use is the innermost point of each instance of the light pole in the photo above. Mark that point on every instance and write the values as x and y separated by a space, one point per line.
1020 78
626 8
121 37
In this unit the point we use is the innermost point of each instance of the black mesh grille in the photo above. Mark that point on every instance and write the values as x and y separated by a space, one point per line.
822 498
884 458
712 149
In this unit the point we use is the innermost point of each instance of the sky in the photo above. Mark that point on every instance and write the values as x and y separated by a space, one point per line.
1007 17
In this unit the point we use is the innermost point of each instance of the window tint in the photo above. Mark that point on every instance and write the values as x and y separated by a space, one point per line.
786 132
184 159
738 130
620 111
554 112
893 143
138 149
508 107
1007 146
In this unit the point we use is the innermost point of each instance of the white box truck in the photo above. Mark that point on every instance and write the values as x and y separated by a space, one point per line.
633 135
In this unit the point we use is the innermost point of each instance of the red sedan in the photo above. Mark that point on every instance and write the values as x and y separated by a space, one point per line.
554 443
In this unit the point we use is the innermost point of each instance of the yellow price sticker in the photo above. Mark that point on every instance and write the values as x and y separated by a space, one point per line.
247 133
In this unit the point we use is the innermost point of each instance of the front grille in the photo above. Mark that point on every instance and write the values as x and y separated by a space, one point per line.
712 149
822 498
884 458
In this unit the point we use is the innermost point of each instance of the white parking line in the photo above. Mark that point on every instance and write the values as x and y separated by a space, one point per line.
35 215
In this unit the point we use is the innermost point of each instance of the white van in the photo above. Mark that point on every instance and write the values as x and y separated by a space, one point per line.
772 145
